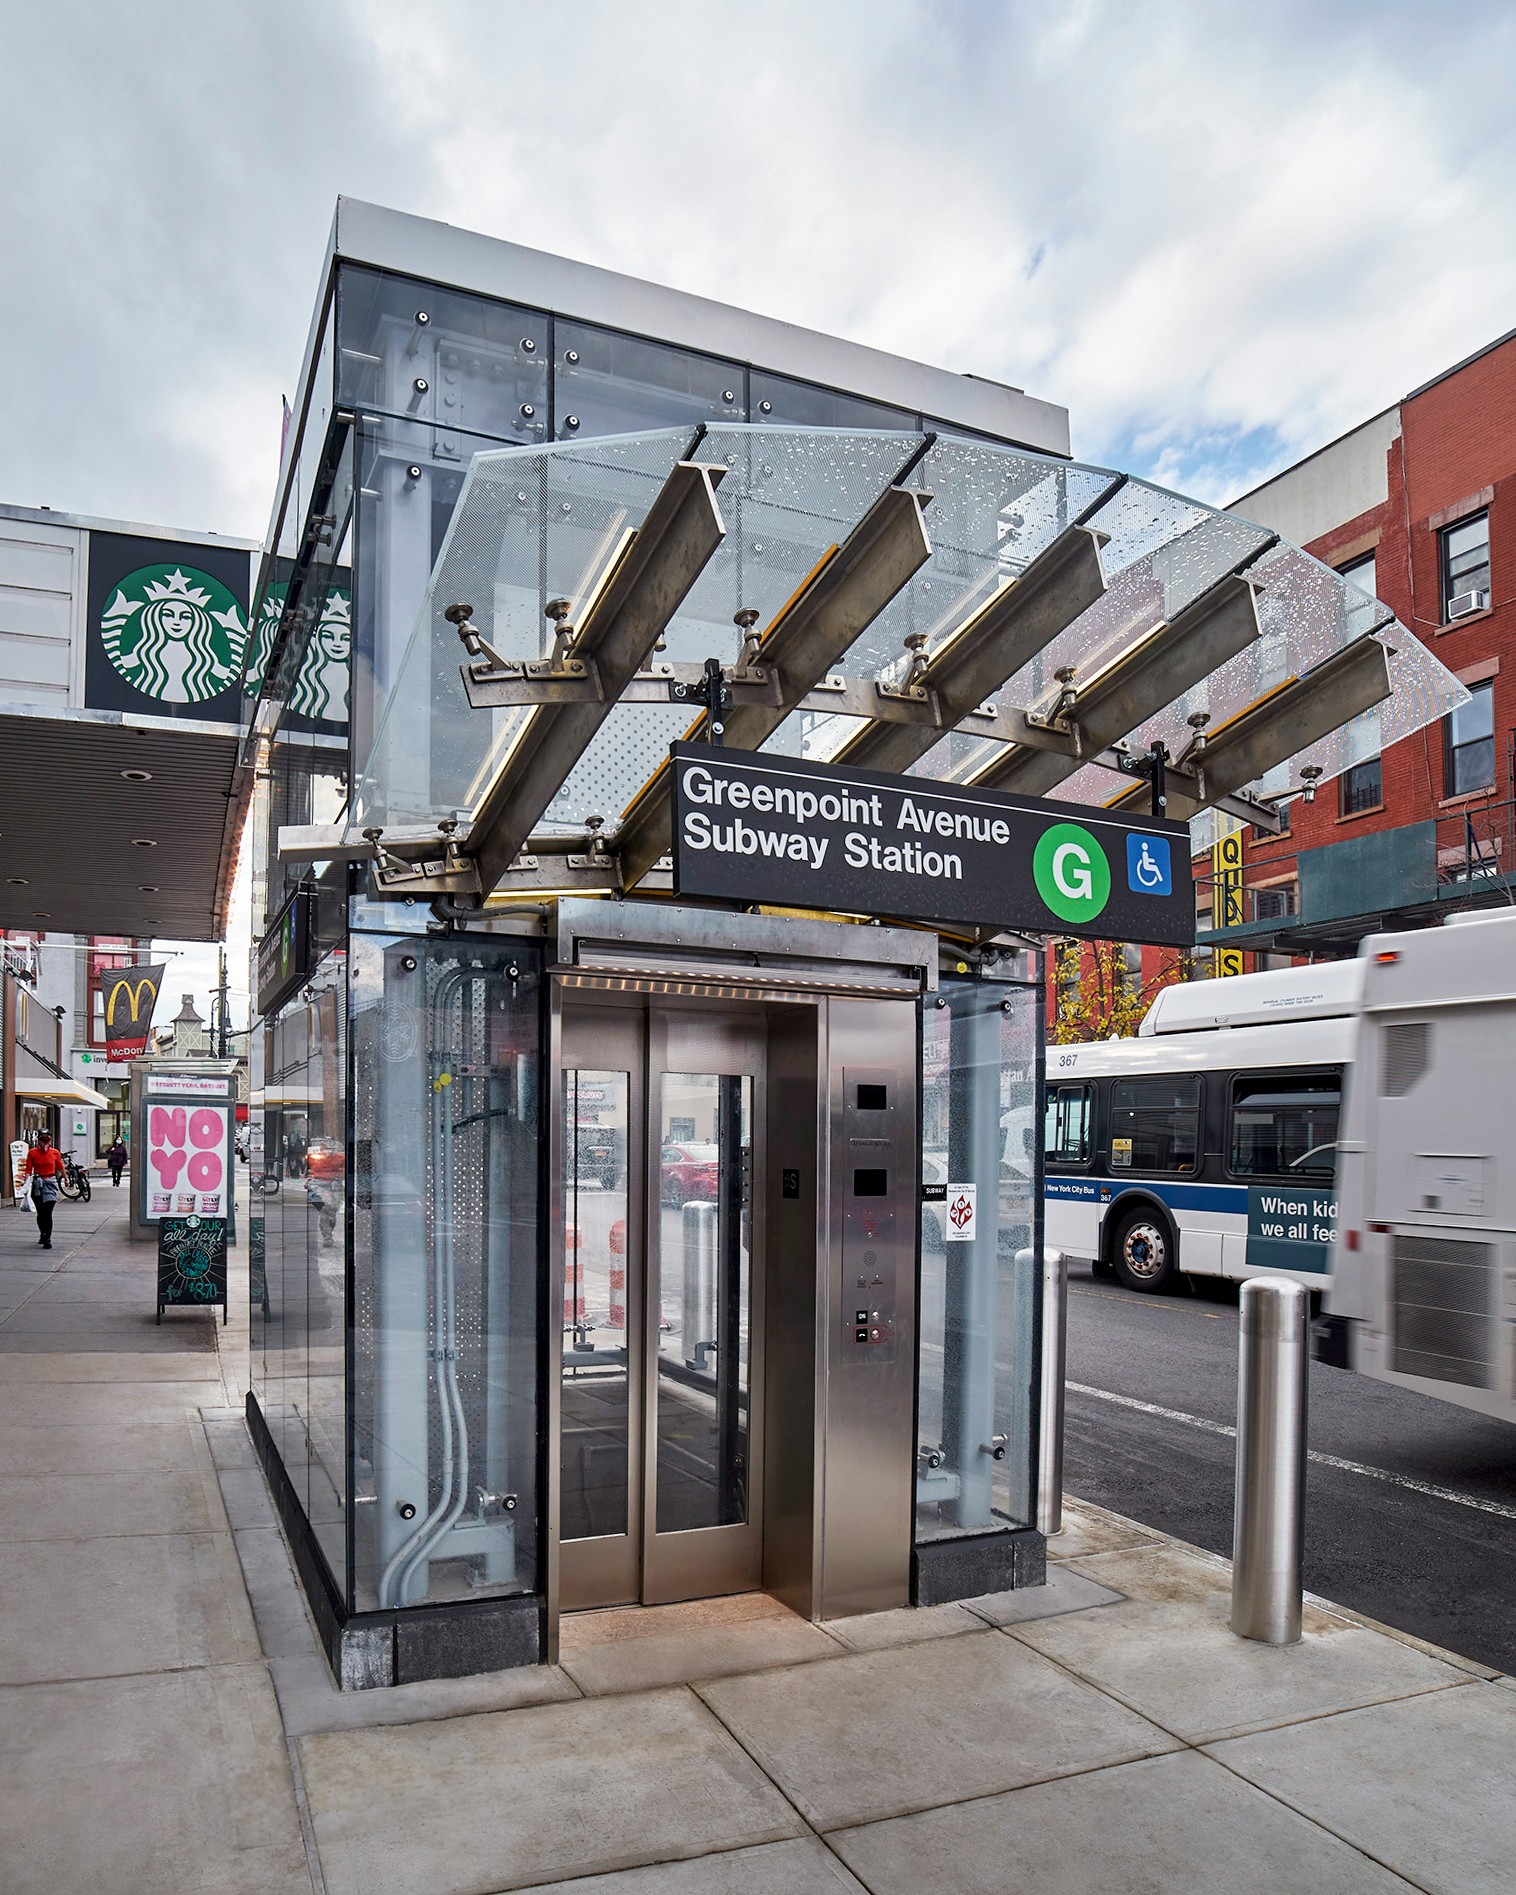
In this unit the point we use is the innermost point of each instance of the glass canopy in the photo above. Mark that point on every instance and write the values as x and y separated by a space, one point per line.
533 524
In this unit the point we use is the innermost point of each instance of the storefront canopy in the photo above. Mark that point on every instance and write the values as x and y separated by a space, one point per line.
62 1092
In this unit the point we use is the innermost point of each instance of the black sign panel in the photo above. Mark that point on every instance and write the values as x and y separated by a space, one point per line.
167 633
751 827
284 953
191 1262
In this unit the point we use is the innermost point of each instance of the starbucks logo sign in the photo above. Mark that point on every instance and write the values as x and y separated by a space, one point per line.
174 633
321 689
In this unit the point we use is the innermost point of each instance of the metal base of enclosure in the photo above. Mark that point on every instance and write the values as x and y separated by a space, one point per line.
968 1568
368 1650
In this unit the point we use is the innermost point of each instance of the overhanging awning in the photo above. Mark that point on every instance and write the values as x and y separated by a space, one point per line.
62 1092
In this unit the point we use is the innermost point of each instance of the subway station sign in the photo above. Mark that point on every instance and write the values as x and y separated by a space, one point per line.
758 828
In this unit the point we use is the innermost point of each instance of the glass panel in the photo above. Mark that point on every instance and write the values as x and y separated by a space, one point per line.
1363 574
779 401
1285 1127
978 1291
1362 787
1466 558
705 1289
1066 1138
608 383
1155 1124
445 1427
596 1396
456 363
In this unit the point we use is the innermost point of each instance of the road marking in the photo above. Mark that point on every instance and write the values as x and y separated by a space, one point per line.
1151 1306
1407 1481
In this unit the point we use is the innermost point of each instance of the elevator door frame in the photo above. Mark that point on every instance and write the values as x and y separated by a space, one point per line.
651 1036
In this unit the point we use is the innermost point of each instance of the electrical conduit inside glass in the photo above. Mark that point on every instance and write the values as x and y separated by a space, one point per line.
396 1579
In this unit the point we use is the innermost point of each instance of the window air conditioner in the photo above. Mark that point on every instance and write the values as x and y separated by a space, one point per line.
1462 603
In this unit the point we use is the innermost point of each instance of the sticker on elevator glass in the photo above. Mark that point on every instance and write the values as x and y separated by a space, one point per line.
1071 872
175 633
1121 1151
934 1193
790 1183
1149 867
962 1213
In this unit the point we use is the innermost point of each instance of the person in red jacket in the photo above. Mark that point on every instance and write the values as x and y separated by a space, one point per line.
44 1167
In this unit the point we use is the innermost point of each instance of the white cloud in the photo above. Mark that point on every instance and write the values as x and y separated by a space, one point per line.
1218 234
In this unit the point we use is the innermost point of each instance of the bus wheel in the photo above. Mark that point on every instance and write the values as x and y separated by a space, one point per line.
1143 1253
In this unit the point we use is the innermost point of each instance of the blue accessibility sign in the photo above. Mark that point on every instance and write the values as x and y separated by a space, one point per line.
1149 869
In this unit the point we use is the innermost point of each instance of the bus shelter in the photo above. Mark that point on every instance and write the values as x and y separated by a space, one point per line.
649 983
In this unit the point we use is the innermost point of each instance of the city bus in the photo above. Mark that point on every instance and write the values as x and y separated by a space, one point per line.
1423 1289
1207 1145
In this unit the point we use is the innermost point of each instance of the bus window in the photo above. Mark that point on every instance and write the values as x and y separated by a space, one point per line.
1066 1129
1155 1124
1284 1126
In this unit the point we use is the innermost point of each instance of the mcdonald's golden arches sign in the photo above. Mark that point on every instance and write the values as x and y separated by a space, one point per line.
129 995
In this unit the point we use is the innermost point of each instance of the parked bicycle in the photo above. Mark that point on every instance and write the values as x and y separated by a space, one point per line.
75 1180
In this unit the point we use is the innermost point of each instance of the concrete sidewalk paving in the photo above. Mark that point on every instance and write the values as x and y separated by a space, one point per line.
1104 1733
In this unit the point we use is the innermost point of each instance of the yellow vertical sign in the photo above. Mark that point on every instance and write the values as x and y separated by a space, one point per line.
1226 898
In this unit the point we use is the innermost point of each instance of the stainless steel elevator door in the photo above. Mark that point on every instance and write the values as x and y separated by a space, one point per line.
660 1423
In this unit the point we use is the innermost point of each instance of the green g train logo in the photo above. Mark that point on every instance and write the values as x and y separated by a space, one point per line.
1071 872
174 633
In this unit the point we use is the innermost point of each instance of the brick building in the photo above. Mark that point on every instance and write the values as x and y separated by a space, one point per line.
1418 507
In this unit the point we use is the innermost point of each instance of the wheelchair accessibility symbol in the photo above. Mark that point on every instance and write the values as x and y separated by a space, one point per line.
1148 867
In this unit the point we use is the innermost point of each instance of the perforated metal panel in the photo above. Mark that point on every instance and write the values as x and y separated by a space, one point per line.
1407 1054
1444 1310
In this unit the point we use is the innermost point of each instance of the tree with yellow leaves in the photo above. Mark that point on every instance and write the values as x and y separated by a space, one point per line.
1098 996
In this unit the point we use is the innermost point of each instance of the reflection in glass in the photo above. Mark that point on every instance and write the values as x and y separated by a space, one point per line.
596 1395
704 1303
978 1295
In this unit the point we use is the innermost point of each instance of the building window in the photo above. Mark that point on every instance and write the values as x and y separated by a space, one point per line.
1155 1124
1273 835
1285 1126
1066 1129
1362 787
1469 762
1274 904
1465 567
1363 574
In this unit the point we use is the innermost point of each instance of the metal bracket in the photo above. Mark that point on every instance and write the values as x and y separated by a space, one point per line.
451 873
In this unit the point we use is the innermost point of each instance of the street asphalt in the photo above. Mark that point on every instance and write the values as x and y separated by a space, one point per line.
1438 1564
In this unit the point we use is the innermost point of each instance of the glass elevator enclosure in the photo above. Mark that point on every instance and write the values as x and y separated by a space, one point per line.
569 1287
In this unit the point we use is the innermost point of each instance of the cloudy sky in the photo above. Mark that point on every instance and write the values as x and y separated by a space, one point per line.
1218 233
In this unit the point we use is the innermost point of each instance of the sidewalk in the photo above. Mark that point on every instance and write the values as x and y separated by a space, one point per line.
1106 1733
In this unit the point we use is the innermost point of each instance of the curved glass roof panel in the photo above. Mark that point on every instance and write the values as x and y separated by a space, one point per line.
537 523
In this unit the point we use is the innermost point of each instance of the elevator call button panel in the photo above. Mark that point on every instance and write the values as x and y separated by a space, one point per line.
875 1171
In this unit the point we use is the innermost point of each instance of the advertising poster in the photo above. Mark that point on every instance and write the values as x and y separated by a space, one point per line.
188 1167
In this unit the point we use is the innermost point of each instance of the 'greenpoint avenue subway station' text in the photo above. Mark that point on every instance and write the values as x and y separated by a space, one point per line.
905 856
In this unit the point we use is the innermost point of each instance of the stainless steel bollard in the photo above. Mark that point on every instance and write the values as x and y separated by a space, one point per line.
1268 1522
1055 1310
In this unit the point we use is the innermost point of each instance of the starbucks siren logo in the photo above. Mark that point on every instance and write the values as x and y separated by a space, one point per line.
321 689
174 633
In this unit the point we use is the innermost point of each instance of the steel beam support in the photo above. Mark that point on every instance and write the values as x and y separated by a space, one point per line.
1006 632
1292 717
1171 659
837 604
682 530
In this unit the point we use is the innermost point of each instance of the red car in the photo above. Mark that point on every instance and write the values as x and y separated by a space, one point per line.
689 1173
